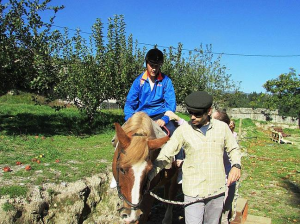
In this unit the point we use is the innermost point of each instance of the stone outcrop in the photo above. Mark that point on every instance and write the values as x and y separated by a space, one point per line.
85 201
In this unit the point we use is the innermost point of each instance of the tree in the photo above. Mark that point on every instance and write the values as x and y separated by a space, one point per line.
25 44
36 59
284 94
82 78
199 71
123 61
91 74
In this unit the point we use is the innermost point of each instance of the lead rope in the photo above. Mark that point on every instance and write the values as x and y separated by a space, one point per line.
184 203
234 203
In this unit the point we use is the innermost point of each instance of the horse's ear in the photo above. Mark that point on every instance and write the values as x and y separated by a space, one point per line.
124 140
157 143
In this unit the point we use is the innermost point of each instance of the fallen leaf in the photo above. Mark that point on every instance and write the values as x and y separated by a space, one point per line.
6 169
28 168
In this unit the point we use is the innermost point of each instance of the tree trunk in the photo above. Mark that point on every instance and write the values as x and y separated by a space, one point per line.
299 120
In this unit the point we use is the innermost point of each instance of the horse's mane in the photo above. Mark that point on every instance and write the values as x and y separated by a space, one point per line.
141 125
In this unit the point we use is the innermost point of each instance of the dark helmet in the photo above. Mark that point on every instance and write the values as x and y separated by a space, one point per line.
154 56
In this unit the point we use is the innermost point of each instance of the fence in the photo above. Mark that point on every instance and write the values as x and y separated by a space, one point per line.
259 114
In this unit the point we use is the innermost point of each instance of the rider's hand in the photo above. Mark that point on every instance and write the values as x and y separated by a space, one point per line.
172 115
160 122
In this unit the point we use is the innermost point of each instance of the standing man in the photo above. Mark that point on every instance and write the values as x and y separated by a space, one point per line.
152 92
204 140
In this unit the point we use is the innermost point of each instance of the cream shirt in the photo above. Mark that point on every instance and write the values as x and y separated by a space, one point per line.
203 168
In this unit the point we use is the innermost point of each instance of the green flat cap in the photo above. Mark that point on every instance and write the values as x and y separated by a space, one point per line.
199 100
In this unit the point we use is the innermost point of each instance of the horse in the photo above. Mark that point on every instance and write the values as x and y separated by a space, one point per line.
137 146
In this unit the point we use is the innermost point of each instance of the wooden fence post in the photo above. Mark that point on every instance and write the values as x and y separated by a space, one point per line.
240 129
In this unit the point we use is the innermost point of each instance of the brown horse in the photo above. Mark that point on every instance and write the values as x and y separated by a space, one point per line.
136 148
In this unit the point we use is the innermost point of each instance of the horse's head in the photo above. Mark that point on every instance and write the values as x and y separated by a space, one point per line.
131 165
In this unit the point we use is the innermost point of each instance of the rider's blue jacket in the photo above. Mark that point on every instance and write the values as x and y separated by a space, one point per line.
153 102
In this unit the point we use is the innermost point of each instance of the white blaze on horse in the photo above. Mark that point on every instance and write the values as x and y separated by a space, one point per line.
137 146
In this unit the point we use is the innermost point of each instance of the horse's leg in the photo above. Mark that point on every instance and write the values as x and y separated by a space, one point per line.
146 208
168 215
170 193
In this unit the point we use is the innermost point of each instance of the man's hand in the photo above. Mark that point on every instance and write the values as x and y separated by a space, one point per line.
233 176
160 122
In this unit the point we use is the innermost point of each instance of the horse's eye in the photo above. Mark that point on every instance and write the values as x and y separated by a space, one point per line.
122 170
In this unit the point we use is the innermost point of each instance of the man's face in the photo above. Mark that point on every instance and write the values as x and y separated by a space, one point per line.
199 118
153 69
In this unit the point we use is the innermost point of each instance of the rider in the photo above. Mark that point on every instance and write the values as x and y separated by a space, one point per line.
153 93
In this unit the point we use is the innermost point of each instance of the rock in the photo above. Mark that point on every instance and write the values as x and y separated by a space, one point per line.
85 201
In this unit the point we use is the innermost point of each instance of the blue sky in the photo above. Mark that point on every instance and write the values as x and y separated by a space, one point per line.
246 27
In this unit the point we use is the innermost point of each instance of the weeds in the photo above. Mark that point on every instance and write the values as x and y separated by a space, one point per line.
13 191
8 207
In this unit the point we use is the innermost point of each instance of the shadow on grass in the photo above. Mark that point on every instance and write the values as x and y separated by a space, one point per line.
295 190
57 124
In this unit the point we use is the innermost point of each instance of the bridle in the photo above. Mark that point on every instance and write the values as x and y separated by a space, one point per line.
122 196
146 187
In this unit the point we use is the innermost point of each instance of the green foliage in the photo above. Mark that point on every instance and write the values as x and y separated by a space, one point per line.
284 93
13 191
88 78
239 99
88 72
25 45
200 71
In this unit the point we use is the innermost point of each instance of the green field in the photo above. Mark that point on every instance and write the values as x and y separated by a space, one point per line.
69 148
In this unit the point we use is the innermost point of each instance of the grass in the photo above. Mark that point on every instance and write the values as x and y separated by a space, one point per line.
70 149
271 175
8 207
13 191
60 146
